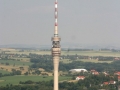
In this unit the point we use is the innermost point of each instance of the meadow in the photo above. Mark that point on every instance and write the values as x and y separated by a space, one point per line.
14 80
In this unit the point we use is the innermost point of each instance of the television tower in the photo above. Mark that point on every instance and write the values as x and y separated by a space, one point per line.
56 51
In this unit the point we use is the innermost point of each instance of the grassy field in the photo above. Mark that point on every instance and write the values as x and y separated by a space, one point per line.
87 53
4 72
92 53
13 64
18 63
27 52
16 79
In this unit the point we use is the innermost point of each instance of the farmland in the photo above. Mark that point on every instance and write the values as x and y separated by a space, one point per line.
18 63
41 70
85 60
88 53
4 72
16 79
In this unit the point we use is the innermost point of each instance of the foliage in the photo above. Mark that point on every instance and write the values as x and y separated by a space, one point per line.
92 82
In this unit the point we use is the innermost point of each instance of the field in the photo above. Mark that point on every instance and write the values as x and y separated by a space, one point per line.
16 63
16 79
92 53
85 60
4 72
8 65
95 61
28 52
87 53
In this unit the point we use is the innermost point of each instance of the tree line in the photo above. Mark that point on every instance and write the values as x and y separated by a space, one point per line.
45 62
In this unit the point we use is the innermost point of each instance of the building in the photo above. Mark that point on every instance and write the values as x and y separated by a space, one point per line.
106 74
78 70
118 78
80 78
105 83
117 73
94 72
112 82
118 87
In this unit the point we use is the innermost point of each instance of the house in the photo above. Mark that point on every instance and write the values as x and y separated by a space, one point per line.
95 73
106 74
78 70
92 70
105 83
118 78
80 78
117 73
116 58
112 82
118 87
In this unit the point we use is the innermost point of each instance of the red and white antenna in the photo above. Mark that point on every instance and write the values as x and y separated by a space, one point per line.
56 19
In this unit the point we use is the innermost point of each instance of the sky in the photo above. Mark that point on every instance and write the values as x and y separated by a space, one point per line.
91 22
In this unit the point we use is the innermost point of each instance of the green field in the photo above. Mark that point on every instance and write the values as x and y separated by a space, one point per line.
18 63
86 53
92 53
4 72
16 79
27 52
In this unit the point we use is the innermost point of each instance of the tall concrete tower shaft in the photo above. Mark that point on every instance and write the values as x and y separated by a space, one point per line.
56 51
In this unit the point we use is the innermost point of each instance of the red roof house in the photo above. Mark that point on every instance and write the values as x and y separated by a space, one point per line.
80 78
118 78
110 82
105 83
95 73
117 73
